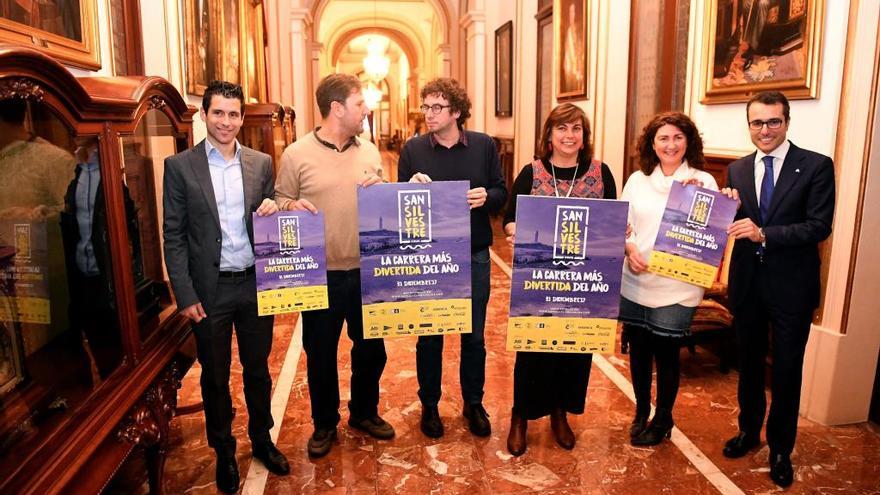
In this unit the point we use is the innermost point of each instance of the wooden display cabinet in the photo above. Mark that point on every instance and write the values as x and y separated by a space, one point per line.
92 349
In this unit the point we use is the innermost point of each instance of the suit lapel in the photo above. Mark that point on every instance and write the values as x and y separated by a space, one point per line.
747 193
787 177
198 160
248 180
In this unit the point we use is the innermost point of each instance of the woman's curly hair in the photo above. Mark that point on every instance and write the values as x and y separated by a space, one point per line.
645 154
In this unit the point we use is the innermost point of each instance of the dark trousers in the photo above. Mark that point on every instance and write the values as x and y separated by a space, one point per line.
789 331
235 305
645 348
321 331
92 311
472 368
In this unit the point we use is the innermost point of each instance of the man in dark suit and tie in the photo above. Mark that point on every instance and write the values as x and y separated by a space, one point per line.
210 192
787 206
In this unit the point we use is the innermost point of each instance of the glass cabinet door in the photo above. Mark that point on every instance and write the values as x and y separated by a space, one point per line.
59 326
144 155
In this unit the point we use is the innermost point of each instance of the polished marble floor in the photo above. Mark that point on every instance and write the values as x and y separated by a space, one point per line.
843 459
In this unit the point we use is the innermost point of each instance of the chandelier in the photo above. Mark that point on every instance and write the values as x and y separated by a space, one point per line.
372 96
376 63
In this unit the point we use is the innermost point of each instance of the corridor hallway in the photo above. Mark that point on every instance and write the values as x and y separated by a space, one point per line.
842 459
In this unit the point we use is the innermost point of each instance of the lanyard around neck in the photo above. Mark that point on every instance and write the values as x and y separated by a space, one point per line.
573 177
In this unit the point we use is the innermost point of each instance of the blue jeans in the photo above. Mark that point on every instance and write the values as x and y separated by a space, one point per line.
472 368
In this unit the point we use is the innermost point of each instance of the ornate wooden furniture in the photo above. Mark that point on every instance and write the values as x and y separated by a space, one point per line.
713 320
289 123
91 347
505 147
268 127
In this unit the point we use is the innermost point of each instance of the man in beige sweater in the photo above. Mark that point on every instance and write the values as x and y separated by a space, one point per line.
322 171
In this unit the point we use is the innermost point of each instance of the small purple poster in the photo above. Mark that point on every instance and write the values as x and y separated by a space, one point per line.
290 262
693 234
415 242
567 264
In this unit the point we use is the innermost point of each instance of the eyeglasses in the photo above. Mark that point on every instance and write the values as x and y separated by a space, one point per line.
435 108
757 125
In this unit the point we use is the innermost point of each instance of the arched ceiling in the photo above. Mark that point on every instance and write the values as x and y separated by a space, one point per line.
417 26
411 10
343 44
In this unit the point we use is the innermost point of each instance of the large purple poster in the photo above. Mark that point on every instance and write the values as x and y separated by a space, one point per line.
693 234
290 262
567 263
415 245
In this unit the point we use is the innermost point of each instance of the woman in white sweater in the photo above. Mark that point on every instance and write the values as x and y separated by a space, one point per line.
657 311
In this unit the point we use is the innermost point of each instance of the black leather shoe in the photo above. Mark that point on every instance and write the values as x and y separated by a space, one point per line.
227 473
272 458
478 419
638 425
781 471
375 426
740 445
321 441
653 434
431 424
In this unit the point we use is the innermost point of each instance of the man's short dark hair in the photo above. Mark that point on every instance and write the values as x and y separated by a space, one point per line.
449 89
770 98
222 88
335 87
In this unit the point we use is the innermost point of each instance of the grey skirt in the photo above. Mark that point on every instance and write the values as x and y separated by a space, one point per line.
666 321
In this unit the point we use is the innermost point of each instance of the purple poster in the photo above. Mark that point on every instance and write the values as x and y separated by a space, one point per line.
415 259
693 234
290 262
567 263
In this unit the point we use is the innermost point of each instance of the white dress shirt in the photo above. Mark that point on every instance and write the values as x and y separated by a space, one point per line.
236 253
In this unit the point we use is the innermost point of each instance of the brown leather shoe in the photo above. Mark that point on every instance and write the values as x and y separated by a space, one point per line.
561 431
516 439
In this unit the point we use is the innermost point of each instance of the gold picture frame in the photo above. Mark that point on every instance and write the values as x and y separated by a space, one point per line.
572 23
756 46
209 25
55 28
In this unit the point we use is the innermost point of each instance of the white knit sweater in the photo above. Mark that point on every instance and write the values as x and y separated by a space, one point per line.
647 199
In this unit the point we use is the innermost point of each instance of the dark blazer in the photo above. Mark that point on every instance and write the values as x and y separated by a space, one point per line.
192 224
800 216
100 241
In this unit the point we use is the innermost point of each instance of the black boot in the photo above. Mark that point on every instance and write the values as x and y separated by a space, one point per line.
659 428
639 424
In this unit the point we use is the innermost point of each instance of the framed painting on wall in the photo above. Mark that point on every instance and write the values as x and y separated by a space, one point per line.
62 29
504 70
225 39
571 49
254 60
544 77
754 45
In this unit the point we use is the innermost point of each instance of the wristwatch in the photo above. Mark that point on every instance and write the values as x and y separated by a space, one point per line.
763 237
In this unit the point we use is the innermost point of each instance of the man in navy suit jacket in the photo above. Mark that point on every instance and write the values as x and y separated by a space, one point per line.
787 206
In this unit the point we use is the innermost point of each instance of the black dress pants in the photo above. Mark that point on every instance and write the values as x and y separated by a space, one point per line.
321 331
235 305
788 330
